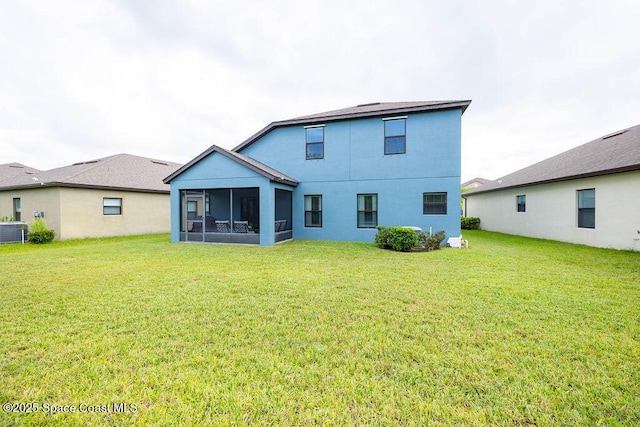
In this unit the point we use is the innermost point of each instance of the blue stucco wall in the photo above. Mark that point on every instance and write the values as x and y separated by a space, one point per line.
354 163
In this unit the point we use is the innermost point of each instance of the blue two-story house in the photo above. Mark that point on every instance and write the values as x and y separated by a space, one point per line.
330 176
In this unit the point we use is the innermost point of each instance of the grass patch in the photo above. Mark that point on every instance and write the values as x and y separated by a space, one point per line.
513 331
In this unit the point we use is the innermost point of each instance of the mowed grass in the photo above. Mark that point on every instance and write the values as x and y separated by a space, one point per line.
512 331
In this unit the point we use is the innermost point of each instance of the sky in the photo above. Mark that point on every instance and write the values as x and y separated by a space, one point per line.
166 79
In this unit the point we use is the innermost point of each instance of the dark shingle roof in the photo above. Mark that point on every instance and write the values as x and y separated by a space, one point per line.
121 171
616 152
246 161
375 109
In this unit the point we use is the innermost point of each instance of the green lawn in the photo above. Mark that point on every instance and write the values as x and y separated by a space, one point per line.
512 331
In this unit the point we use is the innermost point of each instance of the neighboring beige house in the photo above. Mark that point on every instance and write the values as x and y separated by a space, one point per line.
588 195
113 196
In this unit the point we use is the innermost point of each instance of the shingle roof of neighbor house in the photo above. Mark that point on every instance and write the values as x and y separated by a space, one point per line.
120 171
374 109
14 170
479 181
247 161
613 153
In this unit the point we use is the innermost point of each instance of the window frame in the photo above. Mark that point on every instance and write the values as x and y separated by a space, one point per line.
582 210
426 204
105 206
521 203
311 197
388 137
373 211
313 143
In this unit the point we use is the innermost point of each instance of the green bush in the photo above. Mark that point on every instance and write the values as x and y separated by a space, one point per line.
397 238
405 239
402 239
382 237
39 233
470 223
433 241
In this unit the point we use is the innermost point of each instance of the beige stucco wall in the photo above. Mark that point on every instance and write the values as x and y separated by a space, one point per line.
82 213
45 200
76 213
551 211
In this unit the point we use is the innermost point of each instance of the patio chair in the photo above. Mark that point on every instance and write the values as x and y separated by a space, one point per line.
209 223
223 227
281 224
240 226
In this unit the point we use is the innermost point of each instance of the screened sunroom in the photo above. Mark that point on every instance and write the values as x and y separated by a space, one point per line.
231 215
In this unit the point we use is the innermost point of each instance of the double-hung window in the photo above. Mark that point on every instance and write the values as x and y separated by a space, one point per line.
314 142
587 208
313 211
111 206
434 203
521 203
395 135
367 210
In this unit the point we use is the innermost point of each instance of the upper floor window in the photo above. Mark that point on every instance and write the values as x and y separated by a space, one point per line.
587 208
367 210
313 211
434 203
111 206
521 203
395 135
315 142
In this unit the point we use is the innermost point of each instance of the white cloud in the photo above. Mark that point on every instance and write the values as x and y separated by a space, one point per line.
166 79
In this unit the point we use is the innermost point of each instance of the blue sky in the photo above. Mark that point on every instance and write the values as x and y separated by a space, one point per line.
167 79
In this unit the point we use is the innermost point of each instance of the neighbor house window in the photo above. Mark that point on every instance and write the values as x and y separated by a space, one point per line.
521 203
313 211
587 208
395 136
315 142
367 210
111 206
17 209
434 203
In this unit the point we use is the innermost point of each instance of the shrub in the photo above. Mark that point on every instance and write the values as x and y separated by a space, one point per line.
433 241
402 239
397 238
405 239
470 223
39 233
382 237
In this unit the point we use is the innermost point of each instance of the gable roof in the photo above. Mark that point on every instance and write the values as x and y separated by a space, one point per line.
613 153
120 171
254 165
375 109
12 170
479 181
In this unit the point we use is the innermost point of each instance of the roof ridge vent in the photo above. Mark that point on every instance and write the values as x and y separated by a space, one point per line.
611 135
85 163
158 162
369 104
